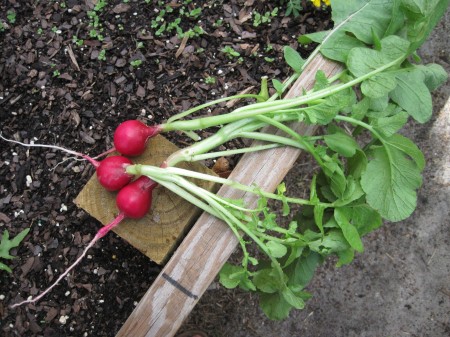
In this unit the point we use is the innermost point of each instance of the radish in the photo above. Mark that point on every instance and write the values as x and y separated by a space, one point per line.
111 171
134 201
130 137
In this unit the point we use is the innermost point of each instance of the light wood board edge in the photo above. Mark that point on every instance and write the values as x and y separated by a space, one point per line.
210 242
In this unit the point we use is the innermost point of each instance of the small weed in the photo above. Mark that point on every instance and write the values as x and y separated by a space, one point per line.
260 19
230 52
2 27
39 31
293 7
11 16
136 63
62 5
102 55
77 41
210 80
56 73
139 45
6 245
218 23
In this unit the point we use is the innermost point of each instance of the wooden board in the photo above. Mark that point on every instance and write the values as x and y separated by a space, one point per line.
208 245
157 234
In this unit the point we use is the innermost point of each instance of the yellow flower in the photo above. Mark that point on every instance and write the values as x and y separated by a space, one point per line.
317 3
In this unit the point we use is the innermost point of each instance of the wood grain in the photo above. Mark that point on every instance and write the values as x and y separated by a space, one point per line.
210 242
157 234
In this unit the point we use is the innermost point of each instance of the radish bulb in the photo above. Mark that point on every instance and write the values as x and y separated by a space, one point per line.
130 137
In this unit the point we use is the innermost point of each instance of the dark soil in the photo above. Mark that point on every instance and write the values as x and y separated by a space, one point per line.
54 90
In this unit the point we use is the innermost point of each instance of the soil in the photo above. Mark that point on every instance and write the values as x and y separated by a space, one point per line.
55 89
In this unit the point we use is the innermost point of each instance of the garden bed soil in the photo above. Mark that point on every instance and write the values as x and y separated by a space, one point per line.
54 91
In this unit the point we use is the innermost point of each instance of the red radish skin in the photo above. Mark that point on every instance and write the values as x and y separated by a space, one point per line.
134 202
135 199
130 137
111 172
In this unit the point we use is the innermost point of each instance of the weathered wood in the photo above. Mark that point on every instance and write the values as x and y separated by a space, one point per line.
157 234
210 242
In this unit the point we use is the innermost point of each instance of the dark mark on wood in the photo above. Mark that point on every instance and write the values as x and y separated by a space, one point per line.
179 286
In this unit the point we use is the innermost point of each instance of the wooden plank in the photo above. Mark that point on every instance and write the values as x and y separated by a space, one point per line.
158 233
210 242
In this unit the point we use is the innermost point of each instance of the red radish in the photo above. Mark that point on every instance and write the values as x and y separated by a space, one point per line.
130 137
111 171
134 200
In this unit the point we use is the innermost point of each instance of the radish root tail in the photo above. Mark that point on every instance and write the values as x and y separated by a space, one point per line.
101 233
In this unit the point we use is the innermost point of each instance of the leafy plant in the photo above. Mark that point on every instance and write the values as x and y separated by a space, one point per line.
102 55
11 16
210 80
259 18
230 52
6 245
136 63
292 7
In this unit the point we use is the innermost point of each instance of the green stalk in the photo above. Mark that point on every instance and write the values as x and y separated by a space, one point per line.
210 155
162 173
294 135
269 106
208 104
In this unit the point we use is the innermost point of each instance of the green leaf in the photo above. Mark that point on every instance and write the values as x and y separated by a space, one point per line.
293 299
413 95
231 276
6 244
225 275
366 16
422 16
350 232
324 112
388 126
318 216
281 189
293 59
379 85
274 305
339 46
378 104
5 267
364 218
342 143
434 74
392 178
409 148
364 60
266 280
312 37
357 164
333 242
321 80
302 271
276 249
345 257
278 86
336 176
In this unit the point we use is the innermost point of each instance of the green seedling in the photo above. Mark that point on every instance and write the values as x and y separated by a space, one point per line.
6 245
